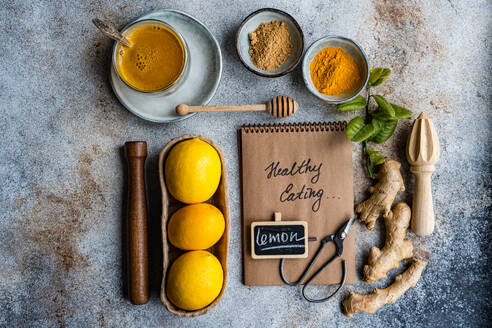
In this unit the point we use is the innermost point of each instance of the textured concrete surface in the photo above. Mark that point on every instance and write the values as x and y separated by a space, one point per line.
62 172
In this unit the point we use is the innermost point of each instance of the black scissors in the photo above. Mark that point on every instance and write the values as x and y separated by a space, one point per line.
338 239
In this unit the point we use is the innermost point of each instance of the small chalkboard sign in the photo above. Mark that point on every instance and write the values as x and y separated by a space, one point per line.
279 239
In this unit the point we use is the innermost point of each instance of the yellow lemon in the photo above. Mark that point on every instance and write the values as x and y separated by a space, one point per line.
195 280
196 226
193 171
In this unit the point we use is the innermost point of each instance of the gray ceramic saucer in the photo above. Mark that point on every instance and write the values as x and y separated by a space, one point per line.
200 84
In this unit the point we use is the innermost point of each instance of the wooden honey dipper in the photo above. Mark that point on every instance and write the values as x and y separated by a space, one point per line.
422 154
280 106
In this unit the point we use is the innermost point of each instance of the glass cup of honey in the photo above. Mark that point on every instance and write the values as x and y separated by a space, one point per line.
157 60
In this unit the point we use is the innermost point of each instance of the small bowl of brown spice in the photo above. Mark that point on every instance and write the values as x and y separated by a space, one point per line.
270 42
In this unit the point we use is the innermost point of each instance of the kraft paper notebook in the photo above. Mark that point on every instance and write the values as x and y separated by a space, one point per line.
305 172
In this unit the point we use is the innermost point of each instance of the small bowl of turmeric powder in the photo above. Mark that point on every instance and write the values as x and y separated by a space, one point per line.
335 69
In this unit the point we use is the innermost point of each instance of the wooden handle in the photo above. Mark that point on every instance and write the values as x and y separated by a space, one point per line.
422 209
185 109
138 256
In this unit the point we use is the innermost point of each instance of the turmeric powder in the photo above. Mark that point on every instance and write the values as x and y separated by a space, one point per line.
334 71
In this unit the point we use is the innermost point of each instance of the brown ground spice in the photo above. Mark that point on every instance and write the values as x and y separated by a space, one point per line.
270 45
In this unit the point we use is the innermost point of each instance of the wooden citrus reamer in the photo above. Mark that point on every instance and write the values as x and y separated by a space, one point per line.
422 154
280 106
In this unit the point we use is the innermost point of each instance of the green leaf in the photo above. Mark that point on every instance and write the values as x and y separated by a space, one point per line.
377 124
378 160
380 115
354 126
401 112
375 157
384 105
358 131
357 103
385 133
378 76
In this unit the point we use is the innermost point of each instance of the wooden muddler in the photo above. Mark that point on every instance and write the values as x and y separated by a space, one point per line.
138 254
422 154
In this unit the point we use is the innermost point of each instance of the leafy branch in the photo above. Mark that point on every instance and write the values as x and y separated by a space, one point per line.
379 124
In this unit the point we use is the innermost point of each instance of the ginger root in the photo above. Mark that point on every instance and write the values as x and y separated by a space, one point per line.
396 247
355 303
390 182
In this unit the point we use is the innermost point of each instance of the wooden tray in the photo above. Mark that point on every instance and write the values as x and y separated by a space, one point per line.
169 205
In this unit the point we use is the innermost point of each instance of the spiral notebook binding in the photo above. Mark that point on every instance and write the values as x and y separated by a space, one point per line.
296 127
